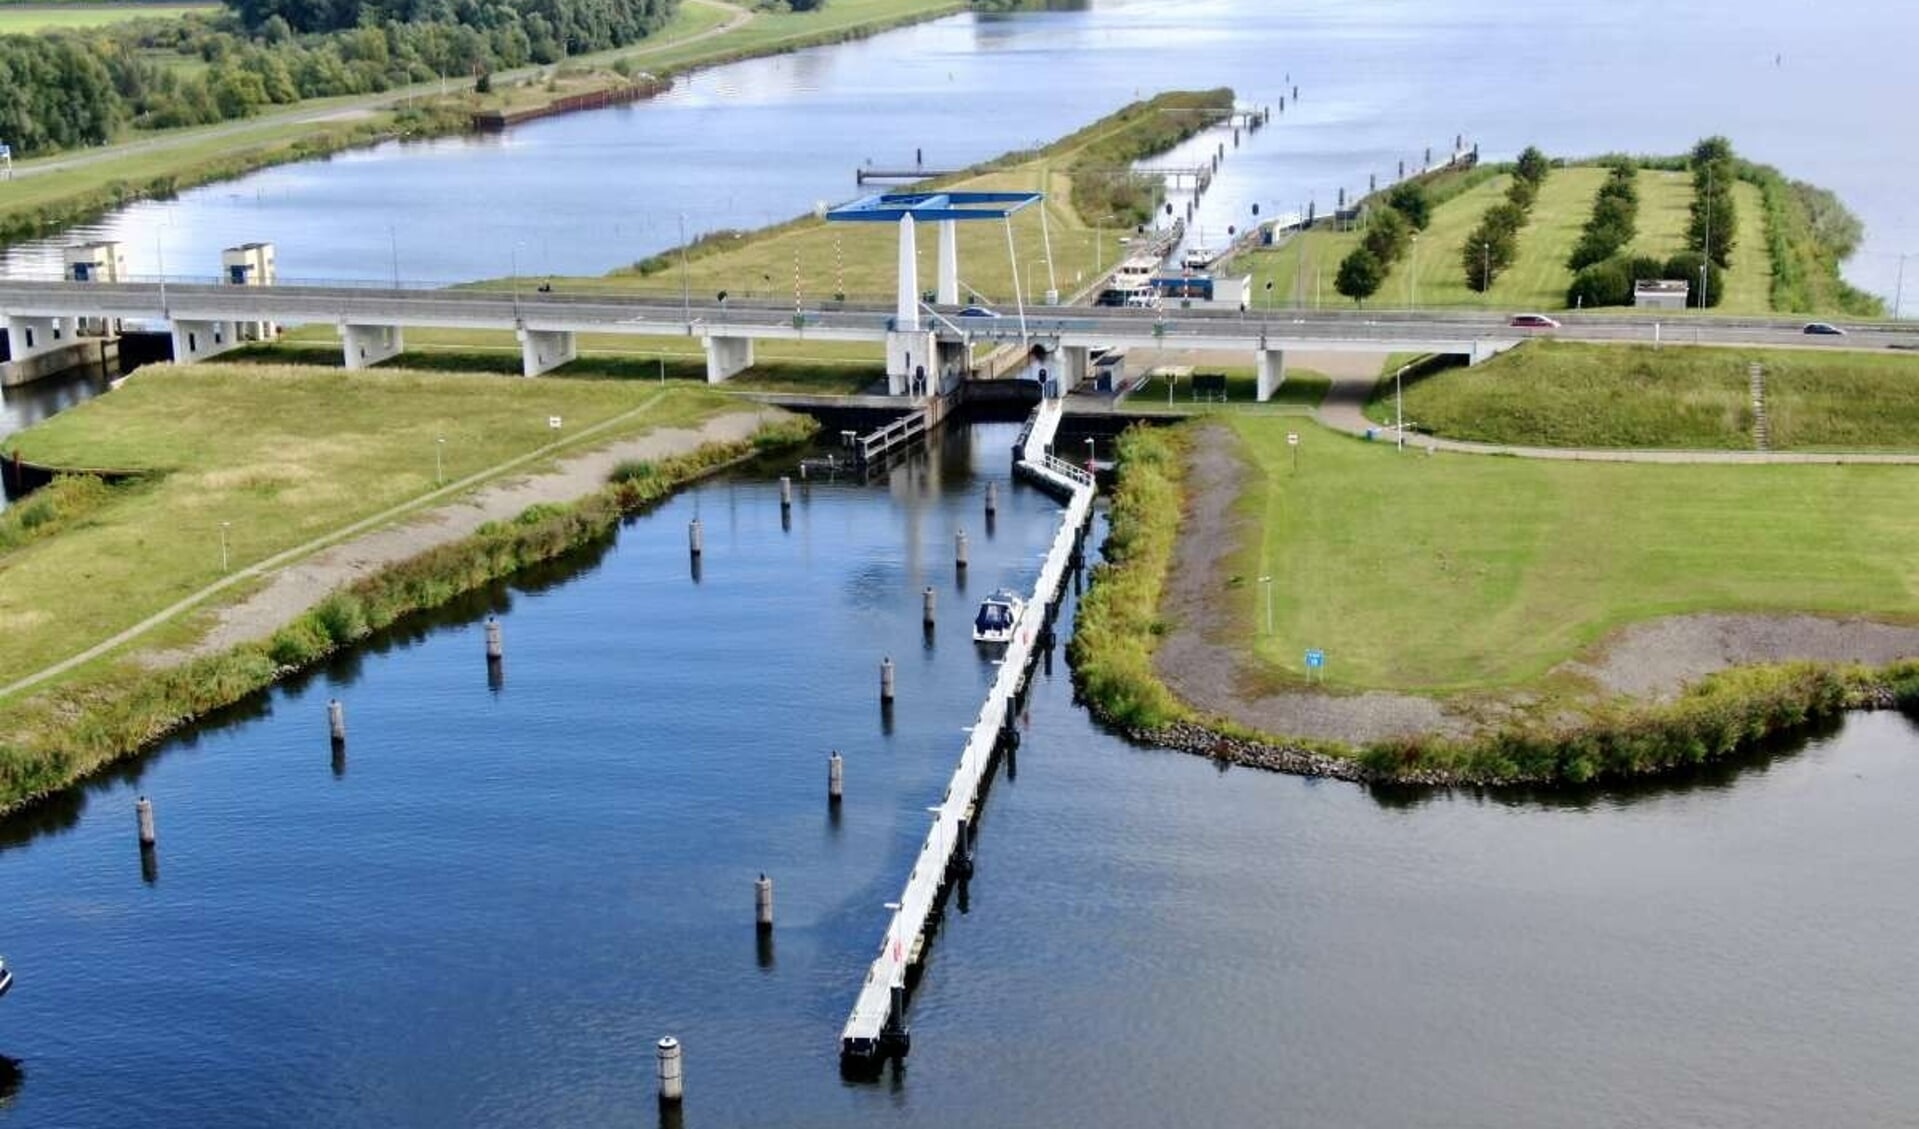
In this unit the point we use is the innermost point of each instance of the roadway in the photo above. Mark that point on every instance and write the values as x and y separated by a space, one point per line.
652 314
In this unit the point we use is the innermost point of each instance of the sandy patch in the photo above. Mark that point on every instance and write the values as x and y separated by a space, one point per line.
1657 659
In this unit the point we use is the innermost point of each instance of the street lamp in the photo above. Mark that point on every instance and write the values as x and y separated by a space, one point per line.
1268 582
1399 407
1412 276
1899 287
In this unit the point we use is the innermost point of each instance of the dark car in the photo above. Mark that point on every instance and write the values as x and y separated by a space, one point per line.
977 312
1823 329
1532 321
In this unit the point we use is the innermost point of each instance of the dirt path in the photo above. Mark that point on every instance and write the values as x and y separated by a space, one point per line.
295 587
1205 661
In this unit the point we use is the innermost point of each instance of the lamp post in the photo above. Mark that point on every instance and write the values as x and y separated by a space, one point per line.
686 297
393 241
1399 407
1899 288
1486 270
1412 276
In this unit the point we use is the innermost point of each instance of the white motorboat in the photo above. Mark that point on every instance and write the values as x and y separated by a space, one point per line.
998 617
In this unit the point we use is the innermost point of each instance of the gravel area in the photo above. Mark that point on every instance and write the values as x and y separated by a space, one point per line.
1657 659
1204 660
293 589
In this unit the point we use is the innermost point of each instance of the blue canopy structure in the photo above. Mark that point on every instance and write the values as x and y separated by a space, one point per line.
948 209
924 207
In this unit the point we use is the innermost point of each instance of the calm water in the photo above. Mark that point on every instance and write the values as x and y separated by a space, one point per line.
507 896
1820 94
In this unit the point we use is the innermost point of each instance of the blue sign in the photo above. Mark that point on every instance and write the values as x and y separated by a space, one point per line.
1315 659
6 150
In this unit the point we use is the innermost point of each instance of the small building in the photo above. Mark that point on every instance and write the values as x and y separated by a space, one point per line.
96 262
251 264
1661 293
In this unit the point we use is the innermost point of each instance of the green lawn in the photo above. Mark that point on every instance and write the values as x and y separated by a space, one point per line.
1445 573
282 455
23 19
1749 280
1562 394
1665 210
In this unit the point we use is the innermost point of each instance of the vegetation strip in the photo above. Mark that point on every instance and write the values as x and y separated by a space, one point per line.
56 738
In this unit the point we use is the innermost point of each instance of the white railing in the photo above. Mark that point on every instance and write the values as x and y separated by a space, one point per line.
924 882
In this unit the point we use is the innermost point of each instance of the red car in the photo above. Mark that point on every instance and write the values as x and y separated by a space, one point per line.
1532 321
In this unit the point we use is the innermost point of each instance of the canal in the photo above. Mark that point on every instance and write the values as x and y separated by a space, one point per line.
761 141
491 909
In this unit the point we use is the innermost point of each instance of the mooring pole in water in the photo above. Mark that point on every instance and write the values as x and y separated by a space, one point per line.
928 602
835 778
959 550
886 680
786 492
495 645
992 498
143 812
696 537
336 721
672 1082
763 903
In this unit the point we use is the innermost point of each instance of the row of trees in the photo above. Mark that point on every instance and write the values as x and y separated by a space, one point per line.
69 89
1714 216
1614 220
1390 230
1611 281
1494 244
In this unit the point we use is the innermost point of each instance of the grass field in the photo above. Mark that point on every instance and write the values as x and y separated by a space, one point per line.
1562 394
1301 393
280 456
19 19
1446 573
1434 274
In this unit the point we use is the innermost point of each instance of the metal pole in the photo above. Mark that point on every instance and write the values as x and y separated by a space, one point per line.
439 462
1399 407
223 546
1899 288
1706 265
1019 298
1046 241
393 239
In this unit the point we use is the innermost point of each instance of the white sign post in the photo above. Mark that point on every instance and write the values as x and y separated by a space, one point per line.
1292 440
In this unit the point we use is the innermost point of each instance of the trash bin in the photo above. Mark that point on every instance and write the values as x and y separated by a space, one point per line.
1369 435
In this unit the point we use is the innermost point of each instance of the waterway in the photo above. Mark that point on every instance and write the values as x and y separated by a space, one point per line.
760 141
491 909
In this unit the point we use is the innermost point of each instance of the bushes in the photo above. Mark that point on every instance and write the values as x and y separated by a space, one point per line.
1719 716
1614 220
1714 217
1389 231
1101 171
1809 233
1117 628
52 508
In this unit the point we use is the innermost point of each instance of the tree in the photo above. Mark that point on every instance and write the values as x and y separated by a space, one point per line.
1409 199
1360 275
1711 150
1685 266
1532 166
1387 234
1487 252
1521 193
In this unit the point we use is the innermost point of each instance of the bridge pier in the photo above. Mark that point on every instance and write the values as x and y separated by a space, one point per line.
543 350
1270 370
911 354
198 340
949 294
1071 364
727 357
367 345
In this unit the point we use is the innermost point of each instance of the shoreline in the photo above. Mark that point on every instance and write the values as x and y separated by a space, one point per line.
352 129
1728 682
73 731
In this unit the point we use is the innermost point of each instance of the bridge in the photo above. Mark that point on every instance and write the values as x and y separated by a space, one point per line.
206 319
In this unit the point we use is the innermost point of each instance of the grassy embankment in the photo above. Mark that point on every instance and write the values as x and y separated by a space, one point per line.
1474 578
1434 275
1082 173
1564 394
25 19
159 164
286 459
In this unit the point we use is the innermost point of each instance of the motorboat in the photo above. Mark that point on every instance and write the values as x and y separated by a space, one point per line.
998 617
6 977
